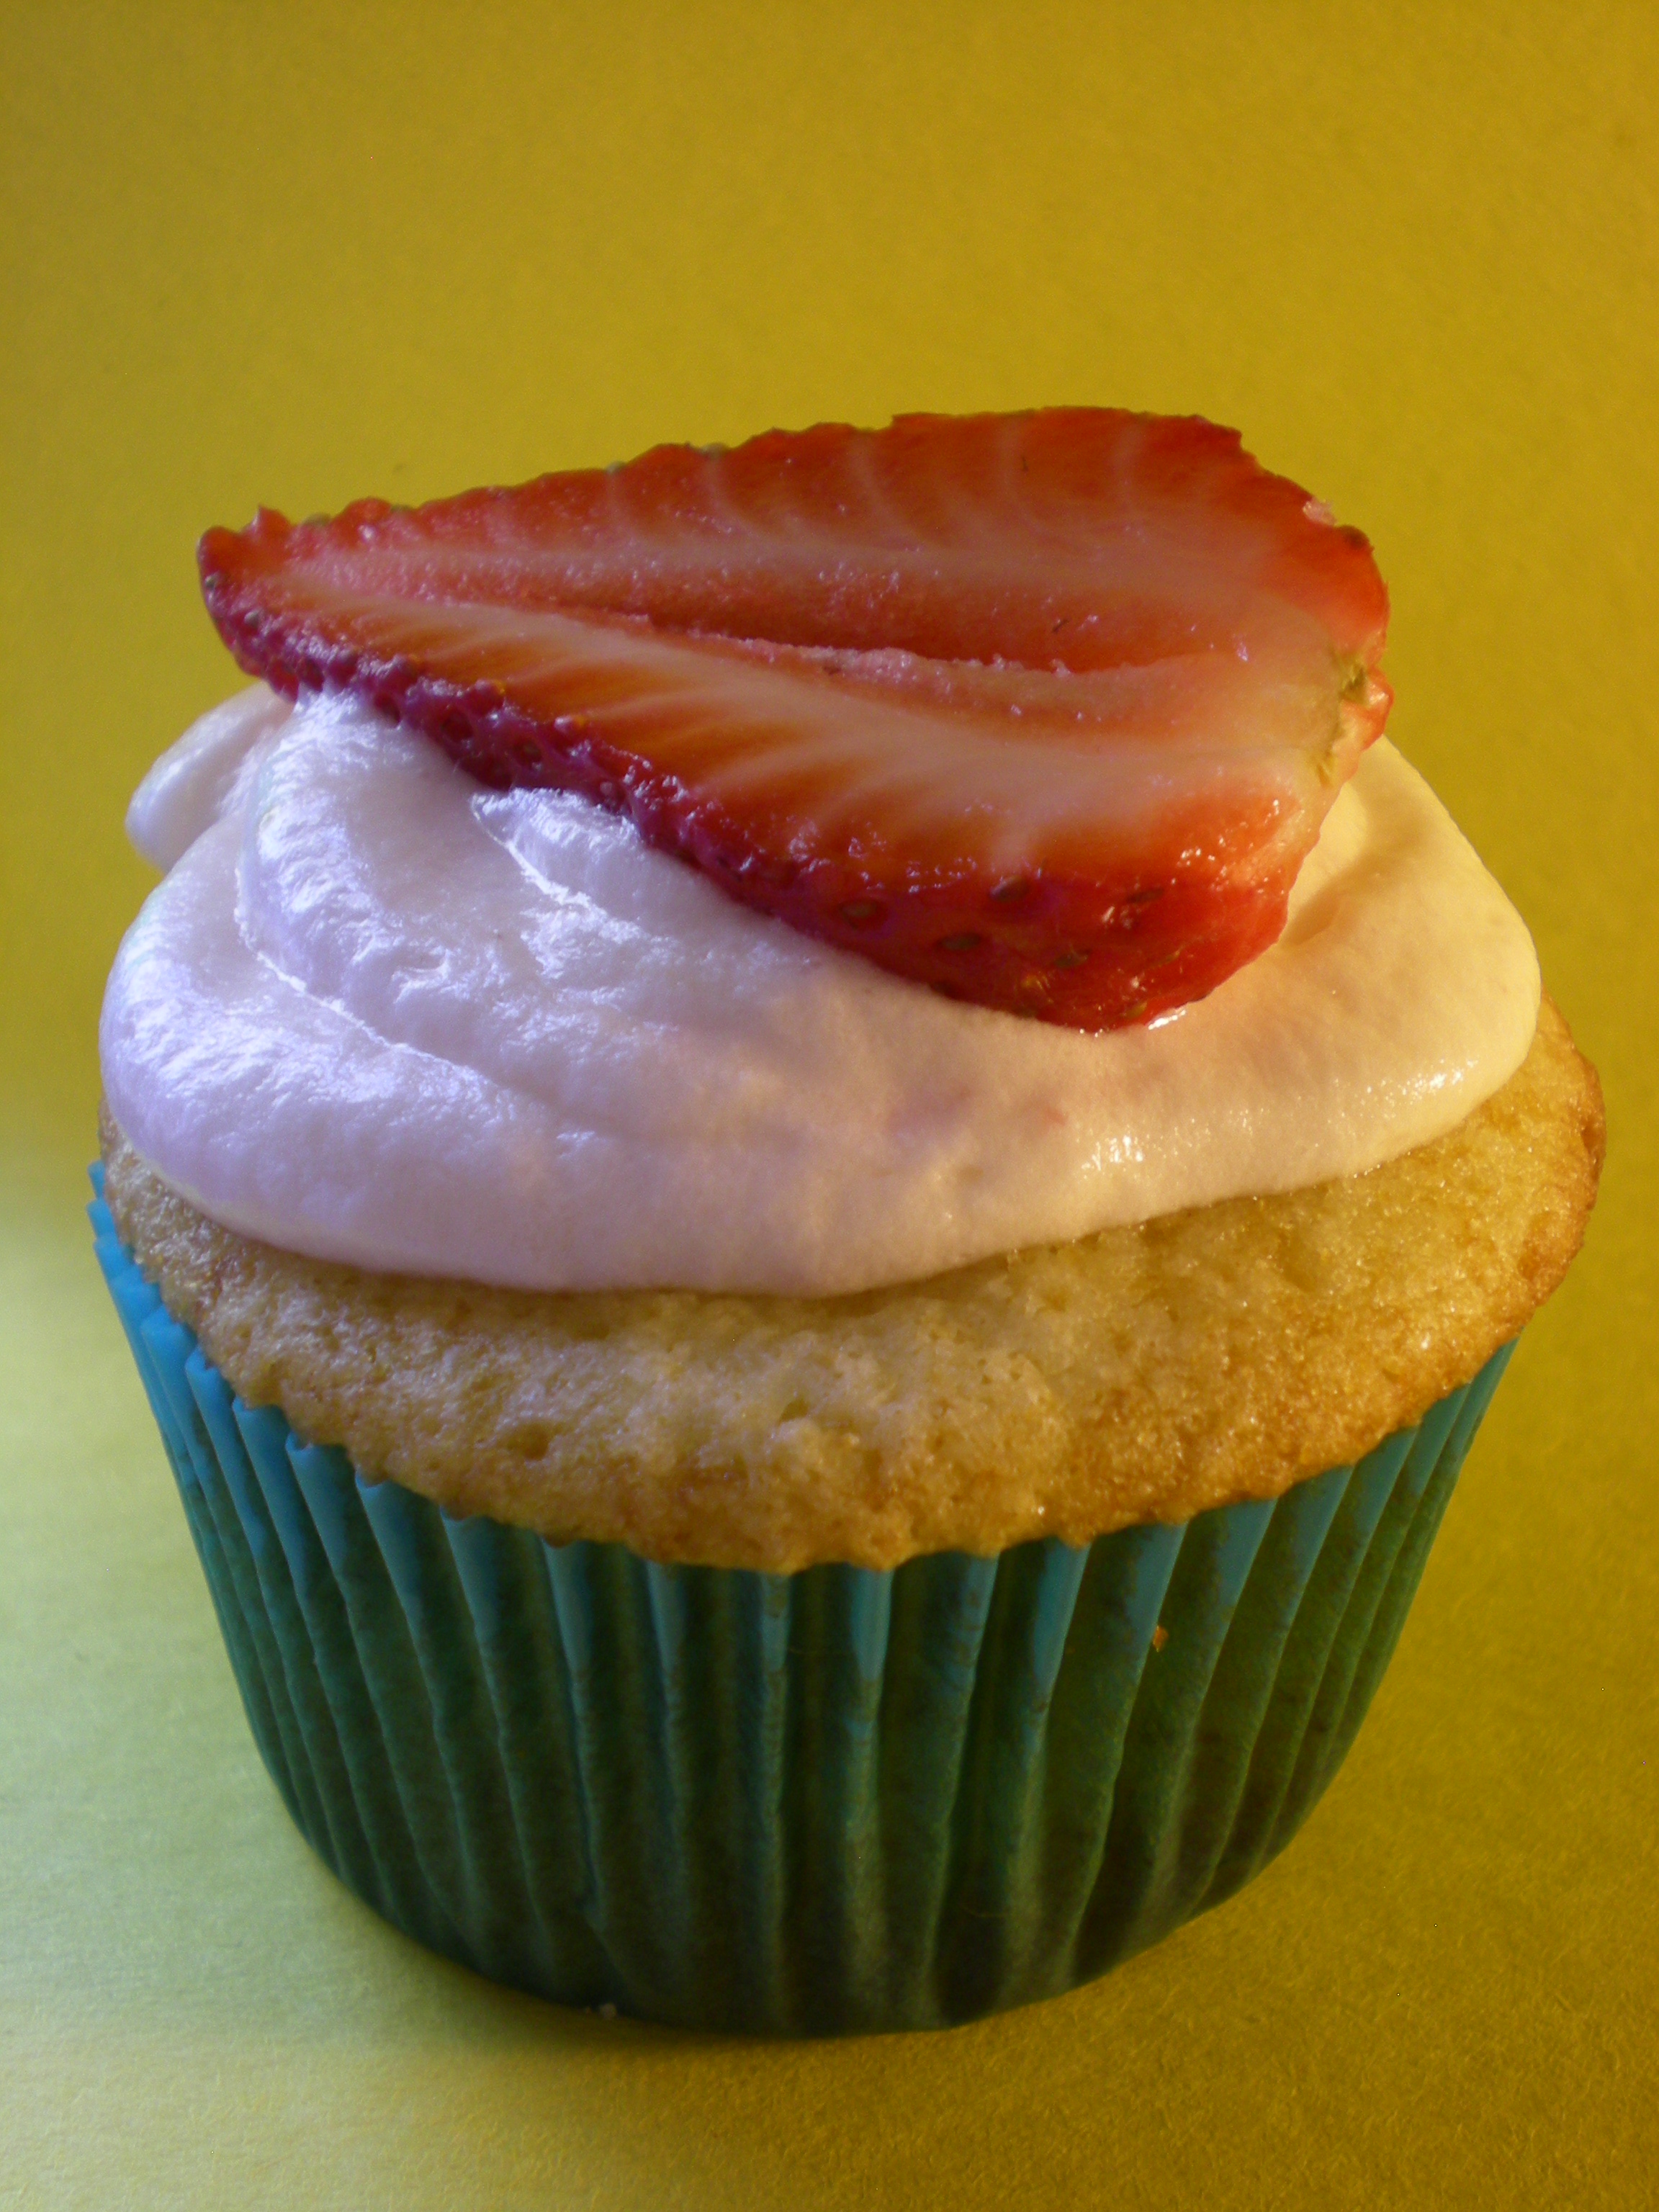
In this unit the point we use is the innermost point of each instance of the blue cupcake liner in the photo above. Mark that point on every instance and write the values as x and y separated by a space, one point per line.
818 1803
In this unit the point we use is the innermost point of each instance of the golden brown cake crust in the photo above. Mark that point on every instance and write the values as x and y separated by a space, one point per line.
1145 1373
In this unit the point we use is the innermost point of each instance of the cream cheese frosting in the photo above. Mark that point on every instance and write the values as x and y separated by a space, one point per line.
377 1014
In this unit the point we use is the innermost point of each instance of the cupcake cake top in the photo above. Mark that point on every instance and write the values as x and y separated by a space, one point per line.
957 723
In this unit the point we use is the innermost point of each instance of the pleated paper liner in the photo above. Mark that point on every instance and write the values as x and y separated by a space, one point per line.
815 1803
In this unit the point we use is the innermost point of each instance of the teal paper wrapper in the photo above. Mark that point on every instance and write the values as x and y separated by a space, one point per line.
817 1803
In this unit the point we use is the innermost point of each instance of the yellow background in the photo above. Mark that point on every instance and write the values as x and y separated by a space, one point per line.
296 253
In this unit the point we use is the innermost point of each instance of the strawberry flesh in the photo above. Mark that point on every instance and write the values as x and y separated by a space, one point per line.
1044 711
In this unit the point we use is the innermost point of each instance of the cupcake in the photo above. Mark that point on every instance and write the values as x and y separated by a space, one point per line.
818 1164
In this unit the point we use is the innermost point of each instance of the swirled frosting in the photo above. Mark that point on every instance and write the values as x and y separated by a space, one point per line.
377 1014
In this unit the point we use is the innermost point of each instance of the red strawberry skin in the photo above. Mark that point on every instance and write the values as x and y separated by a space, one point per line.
1043 711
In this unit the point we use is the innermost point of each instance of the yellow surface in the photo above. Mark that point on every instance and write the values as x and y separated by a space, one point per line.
297 253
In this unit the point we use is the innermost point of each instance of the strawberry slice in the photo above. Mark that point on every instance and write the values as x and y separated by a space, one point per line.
1044 710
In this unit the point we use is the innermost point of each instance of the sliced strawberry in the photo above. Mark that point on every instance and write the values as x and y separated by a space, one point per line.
1043 710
